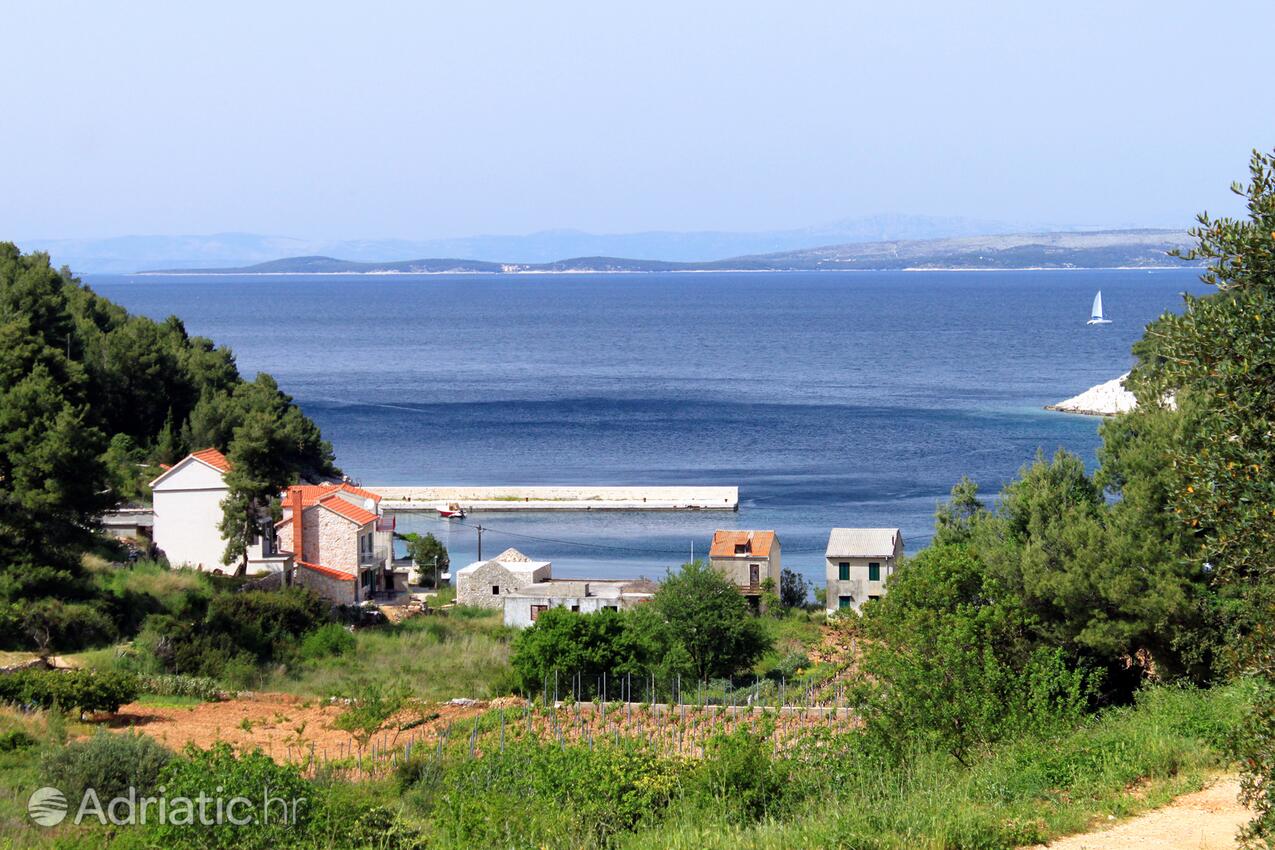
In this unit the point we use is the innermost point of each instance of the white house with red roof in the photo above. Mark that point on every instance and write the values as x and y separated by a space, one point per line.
187 501
333 537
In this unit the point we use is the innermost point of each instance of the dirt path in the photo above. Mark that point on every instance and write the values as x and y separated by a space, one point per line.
1205 820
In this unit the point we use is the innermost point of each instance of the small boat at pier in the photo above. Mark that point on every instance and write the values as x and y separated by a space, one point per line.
452 511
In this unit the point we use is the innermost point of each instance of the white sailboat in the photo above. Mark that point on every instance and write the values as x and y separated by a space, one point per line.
1095 316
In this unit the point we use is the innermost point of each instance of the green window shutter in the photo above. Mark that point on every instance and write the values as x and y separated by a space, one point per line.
843 571
874 571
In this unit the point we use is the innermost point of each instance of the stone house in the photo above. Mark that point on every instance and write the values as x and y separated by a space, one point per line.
484 584
341 543
858 562
525 604
747 559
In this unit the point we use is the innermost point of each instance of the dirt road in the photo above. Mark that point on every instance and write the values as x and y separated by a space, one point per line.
1205 820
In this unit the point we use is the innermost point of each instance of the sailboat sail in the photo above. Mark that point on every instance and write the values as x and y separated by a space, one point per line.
1095 315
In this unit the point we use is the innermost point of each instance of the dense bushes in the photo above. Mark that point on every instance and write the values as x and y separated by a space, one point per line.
535 789
80 690
949 663
327 640
239 632
107 762
300 814
697 625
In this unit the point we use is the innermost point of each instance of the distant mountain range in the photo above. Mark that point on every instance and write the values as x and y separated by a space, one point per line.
1082 250
127 254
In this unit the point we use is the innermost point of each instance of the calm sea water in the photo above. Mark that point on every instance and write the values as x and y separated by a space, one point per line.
831 399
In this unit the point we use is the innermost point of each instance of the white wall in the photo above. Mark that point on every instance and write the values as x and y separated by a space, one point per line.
187 511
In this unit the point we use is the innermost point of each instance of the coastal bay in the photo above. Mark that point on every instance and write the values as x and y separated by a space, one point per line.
830 399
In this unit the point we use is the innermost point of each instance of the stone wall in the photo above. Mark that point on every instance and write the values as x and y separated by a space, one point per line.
336 591
475 588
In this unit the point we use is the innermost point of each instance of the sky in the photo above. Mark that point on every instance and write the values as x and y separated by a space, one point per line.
423 120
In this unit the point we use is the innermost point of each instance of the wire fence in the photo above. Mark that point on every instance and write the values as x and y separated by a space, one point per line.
671 716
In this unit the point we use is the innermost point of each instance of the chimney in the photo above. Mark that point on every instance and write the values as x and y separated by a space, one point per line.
298 543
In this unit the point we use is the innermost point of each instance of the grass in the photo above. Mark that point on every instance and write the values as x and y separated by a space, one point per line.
794 634
170 701
464 653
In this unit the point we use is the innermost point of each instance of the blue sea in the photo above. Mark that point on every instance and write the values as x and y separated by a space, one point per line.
830 399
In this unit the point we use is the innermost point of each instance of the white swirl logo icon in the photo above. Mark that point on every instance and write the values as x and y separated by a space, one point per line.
47 806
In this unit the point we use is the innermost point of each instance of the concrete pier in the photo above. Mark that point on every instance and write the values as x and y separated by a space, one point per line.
559 498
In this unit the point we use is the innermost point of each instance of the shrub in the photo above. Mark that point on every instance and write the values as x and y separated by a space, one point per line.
329 639
51 624
542 792
741 776
175 685
69 689
15 739
317 815
109 763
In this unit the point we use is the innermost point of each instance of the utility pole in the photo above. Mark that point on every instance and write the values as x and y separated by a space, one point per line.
480 541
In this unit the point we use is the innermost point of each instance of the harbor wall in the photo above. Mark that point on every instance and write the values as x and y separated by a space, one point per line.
560 498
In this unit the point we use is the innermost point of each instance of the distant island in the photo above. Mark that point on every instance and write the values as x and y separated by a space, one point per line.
1137 249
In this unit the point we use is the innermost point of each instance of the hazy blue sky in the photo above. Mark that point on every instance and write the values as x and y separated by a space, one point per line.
442 119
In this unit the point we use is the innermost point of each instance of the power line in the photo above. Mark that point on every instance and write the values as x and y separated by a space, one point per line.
679 552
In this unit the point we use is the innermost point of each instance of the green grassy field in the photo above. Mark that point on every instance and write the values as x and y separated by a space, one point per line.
464 653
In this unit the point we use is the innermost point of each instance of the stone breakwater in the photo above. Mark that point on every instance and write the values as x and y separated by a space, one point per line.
1103 400
559 498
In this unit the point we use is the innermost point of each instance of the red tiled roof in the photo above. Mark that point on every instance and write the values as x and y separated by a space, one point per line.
339 575
213 458
311 494
756 544
341 507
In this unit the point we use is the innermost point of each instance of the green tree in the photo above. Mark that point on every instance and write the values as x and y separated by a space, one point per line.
946 663
704 613
1216 363
428 553
794 590
954 520
567 643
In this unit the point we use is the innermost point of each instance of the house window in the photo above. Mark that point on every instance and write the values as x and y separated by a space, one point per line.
741 548
874 571
537 610
871 597
495 590
844 601
611 607
575 609
843 571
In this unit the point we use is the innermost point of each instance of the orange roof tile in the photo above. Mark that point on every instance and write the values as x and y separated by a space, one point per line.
340 575
756 544
213 458
341 507
311 494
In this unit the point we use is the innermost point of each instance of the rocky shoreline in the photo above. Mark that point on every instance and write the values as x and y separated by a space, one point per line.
1106 399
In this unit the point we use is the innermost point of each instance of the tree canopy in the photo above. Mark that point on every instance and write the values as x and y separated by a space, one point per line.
93 399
